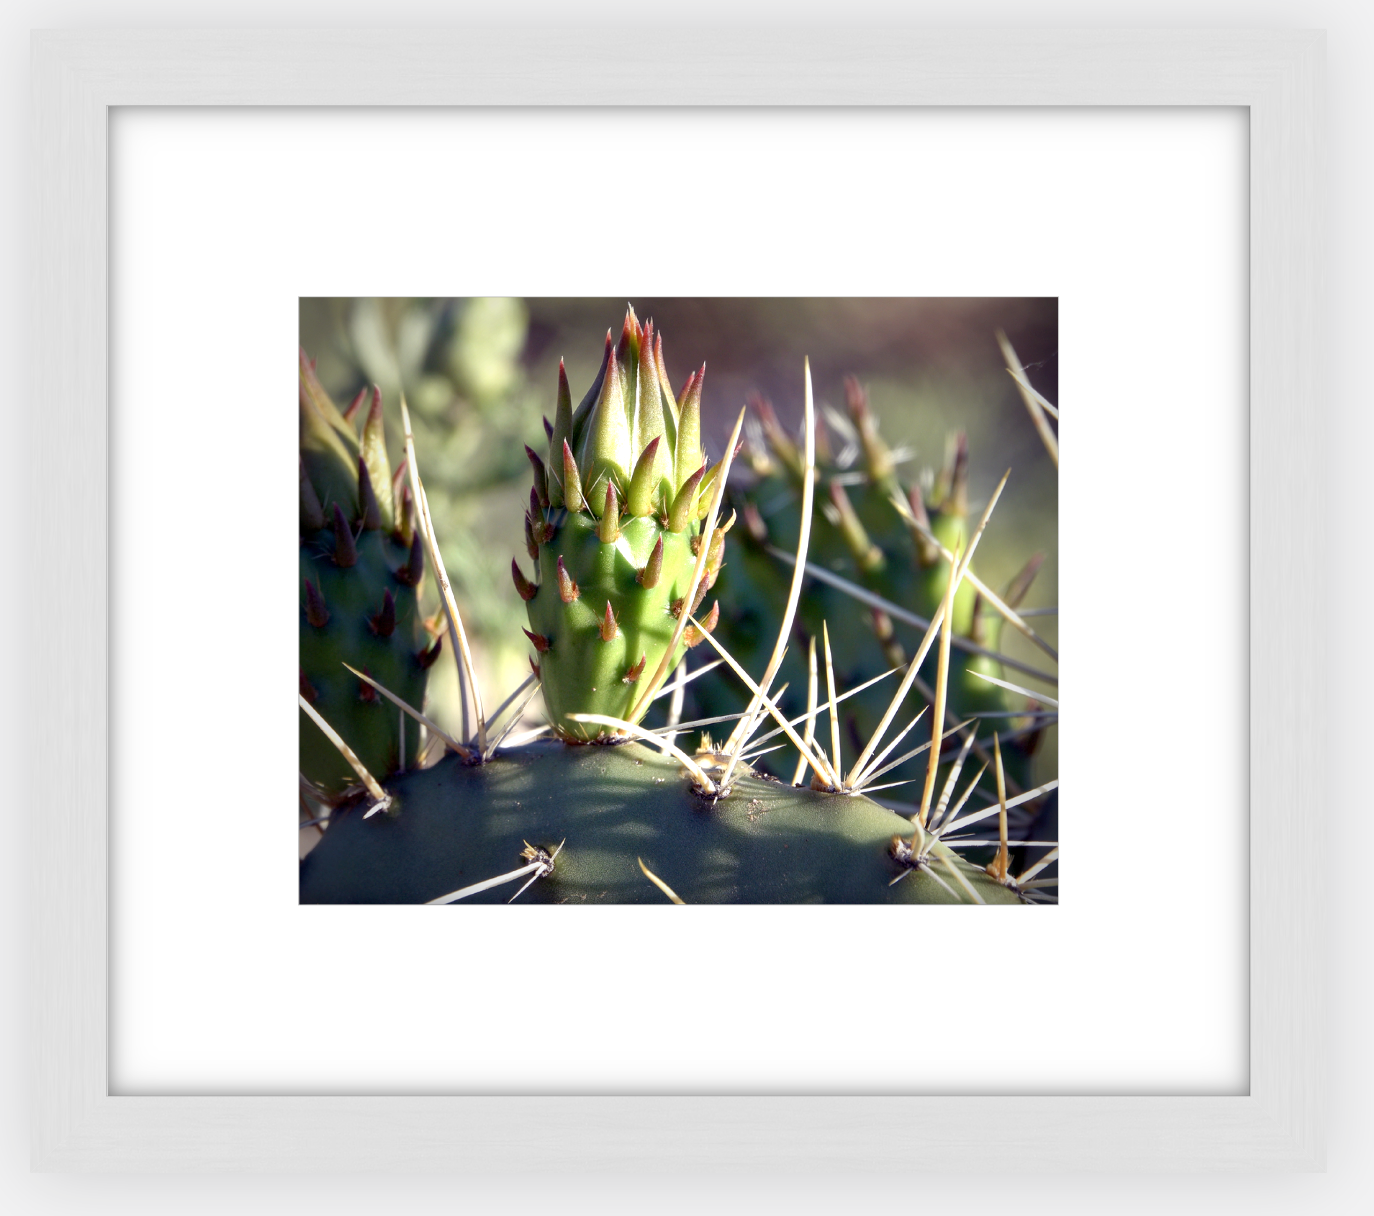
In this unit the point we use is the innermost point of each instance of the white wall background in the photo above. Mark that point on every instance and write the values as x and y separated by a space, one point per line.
1351 106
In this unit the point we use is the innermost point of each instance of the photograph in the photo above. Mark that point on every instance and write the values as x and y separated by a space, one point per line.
678 600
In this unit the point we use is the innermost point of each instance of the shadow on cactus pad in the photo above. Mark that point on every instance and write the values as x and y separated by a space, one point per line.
456 825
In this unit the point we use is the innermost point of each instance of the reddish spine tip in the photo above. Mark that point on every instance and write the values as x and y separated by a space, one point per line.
413 571
351 413
366 693
653 570
609 628
636 671
694 636
426 657
315 611
567 589
534 667
540 489
548 428
383 623
537 640
526 589
345 550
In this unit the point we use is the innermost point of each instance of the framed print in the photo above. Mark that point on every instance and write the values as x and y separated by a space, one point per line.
171 965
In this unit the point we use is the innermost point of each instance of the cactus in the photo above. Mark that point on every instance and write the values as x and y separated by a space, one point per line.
639 818
614 526
361 566
870 534
455 825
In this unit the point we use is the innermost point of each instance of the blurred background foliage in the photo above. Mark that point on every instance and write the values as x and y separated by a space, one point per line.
480 374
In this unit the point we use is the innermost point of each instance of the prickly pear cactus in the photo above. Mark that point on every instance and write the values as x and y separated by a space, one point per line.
879 536
613 808
614 529
361 562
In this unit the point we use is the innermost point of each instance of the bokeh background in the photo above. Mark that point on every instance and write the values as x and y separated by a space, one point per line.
480 374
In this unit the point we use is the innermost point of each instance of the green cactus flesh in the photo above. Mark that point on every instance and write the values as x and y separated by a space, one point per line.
595 663
358 630
614 525
456 825
360 570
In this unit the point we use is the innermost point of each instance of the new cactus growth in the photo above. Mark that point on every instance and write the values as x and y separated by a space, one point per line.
614 527
879 564
361 565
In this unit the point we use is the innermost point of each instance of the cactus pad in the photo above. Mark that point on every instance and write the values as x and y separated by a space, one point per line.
614 527
361 565
456 825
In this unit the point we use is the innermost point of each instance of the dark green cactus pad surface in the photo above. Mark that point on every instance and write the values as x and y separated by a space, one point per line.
583 671
356 633
454 825
361 567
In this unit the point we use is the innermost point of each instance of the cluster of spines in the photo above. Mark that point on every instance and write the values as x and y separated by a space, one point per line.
931 520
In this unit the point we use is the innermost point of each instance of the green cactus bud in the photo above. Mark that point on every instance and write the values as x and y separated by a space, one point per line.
625 553
359 590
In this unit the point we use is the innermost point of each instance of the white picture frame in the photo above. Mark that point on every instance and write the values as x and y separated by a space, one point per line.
79 75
